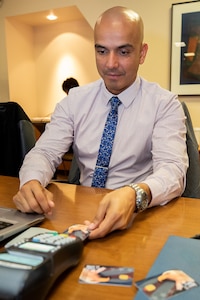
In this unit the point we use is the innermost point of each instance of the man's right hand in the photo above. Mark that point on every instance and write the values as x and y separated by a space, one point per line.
33 197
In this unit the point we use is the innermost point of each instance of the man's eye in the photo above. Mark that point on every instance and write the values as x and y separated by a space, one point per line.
123 52
101 51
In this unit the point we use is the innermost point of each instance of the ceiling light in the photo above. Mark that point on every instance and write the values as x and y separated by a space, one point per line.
51 17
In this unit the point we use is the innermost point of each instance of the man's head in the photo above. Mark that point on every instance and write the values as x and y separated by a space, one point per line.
68 84
119 47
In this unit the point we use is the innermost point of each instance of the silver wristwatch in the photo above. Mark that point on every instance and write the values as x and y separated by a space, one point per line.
142 200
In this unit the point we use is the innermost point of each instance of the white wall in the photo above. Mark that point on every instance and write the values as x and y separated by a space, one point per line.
43 57
21 66
62 51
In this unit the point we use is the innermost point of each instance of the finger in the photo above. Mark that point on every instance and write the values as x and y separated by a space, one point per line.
104 228
27 202
34 198
21 203
41 200
99 233
95 232
87 222
111 222
100 215
49 199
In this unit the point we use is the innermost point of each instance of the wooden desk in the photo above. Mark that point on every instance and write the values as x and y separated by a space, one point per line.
136 247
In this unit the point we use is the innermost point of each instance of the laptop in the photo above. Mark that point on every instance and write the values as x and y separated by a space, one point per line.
13 221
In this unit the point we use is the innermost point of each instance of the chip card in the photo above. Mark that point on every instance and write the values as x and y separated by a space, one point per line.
166 285
78 230
106 275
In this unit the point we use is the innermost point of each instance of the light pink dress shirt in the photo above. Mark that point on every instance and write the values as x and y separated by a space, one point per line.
149 144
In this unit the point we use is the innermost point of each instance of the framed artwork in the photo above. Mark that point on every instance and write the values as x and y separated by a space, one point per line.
185 48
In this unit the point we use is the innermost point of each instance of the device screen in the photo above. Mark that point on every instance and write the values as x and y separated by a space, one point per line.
30 261
37 247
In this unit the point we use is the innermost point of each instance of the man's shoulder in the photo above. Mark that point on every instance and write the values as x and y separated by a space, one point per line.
83 90
155 88
82 94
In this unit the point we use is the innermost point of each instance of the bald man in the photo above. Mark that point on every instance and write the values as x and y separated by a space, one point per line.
149 160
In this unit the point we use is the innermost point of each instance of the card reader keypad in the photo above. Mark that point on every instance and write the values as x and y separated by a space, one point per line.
54 238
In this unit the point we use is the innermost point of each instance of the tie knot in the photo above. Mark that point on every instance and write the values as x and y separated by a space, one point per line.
115 102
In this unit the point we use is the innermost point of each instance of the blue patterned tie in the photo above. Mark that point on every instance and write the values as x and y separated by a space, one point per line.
105 150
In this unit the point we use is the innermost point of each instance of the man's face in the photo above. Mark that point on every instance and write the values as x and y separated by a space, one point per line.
119 51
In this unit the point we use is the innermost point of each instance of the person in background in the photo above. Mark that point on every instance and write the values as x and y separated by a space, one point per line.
149 158
68 84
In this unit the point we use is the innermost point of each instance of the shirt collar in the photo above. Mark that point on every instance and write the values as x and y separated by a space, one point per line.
127 96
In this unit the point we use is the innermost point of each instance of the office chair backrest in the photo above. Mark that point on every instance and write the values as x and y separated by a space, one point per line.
17 137
74 172
27 136
192 189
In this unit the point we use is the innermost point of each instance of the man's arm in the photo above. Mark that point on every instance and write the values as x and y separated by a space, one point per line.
167 181
40 164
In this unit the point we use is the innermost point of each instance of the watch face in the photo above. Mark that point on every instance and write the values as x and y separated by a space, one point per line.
144 204
141 200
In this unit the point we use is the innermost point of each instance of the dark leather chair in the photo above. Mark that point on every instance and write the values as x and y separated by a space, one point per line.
73 176
17 137
192 189
74 172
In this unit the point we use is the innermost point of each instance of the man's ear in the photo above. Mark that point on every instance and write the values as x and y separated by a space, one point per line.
143 53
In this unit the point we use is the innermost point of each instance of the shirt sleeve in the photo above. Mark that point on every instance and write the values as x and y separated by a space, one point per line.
169 153
41 162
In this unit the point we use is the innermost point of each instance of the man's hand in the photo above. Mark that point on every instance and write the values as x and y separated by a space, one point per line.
178 276
115 211
32 197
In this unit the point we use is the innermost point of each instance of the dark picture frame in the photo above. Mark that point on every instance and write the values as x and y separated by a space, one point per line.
185 48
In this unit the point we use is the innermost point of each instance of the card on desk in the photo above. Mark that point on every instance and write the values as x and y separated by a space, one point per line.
109 275
179 256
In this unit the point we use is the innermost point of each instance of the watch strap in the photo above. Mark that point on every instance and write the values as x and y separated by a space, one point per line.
141 200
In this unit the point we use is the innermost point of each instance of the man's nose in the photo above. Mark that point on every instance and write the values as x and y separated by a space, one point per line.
112 60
